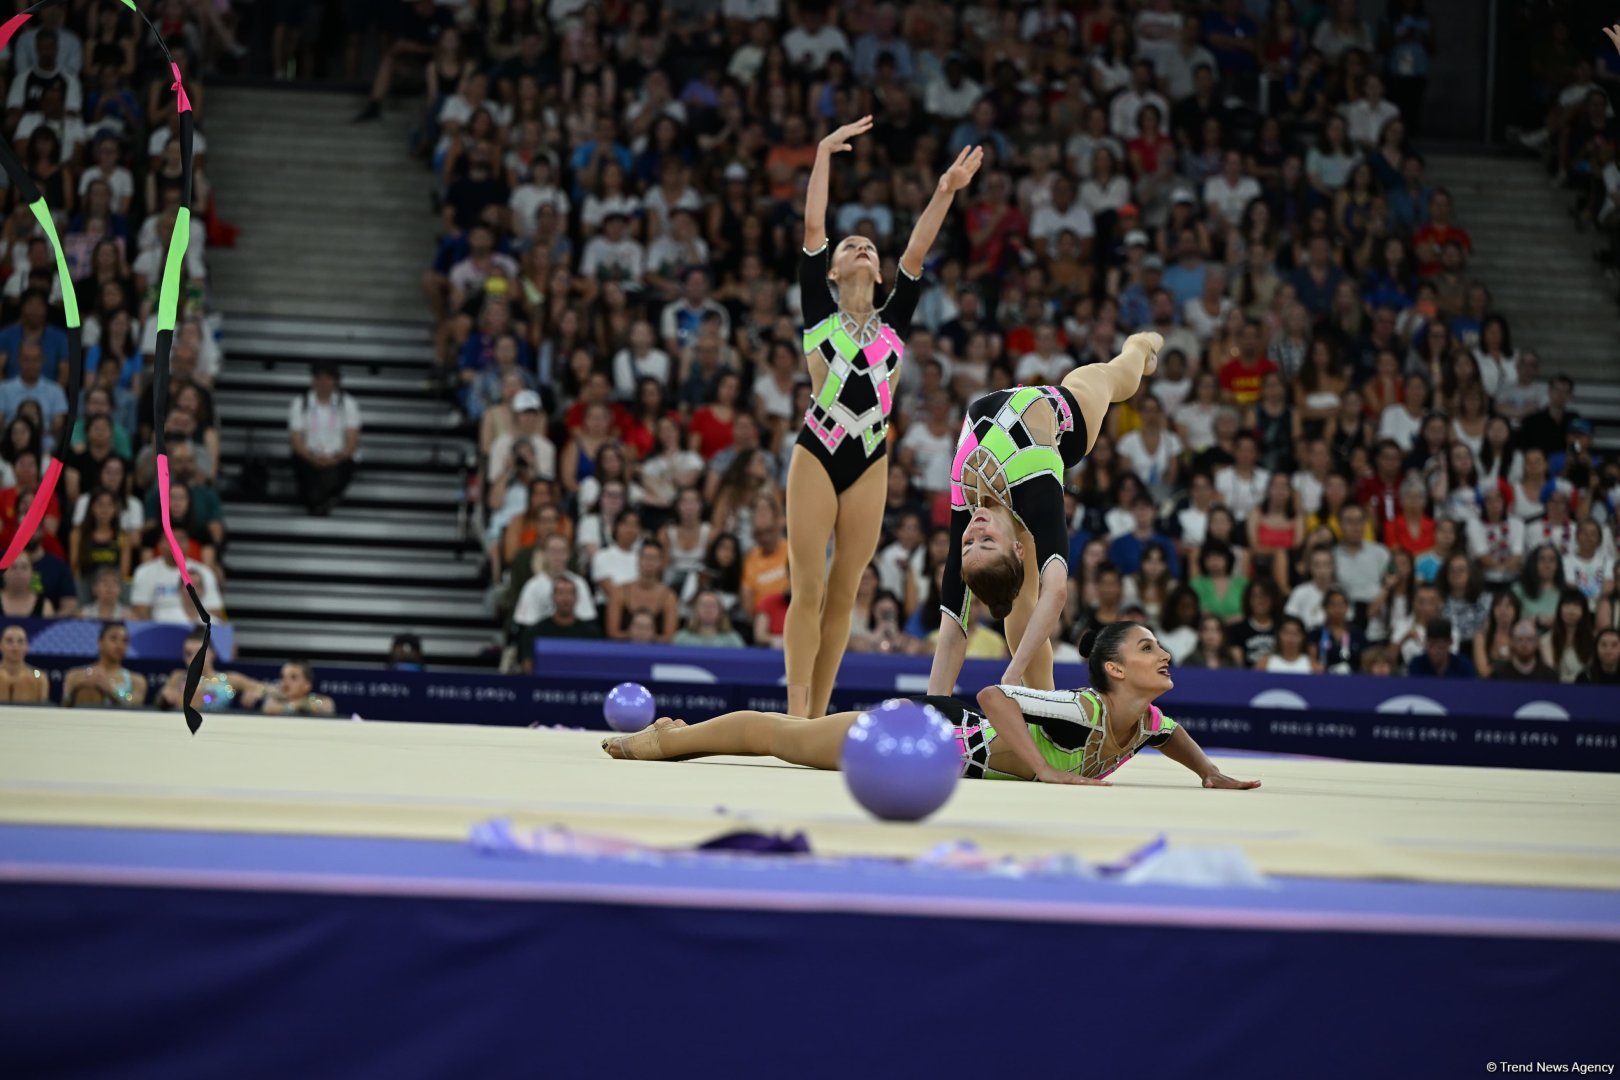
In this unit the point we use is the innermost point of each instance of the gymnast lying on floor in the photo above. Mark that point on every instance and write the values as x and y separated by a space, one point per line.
1015 733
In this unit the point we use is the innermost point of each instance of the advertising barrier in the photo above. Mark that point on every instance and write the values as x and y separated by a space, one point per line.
1433 721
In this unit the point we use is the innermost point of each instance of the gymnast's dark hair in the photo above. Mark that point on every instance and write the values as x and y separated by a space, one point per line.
1099 645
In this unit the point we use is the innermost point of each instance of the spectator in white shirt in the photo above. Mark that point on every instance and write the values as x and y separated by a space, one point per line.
534 603
1228 193
1242 485
323 427
951 95
29 83
641 359
540 190
156 593
1366 116
50 114
1158 28
618 563
1526 394
1129 101
612 255
814 39
671 256
1048 363
117 178
1062 213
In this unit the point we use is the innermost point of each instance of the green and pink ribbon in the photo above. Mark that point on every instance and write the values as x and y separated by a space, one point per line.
168 302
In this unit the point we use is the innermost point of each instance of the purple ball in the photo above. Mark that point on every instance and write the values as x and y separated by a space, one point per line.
901 760
628 707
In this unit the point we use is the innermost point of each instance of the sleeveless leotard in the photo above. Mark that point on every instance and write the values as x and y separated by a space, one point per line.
847 425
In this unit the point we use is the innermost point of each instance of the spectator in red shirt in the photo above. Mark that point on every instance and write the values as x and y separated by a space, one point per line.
713 424
1413 530
1380 492
598 390
1242 376
996 228
1428 242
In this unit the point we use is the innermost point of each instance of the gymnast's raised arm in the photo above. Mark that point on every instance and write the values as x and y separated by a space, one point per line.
815 199
926 231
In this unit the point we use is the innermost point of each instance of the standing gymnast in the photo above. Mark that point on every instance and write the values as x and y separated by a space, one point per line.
1009 533
853 349
1015 733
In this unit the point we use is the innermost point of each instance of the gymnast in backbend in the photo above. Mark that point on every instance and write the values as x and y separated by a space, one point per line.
1009 529
1011 733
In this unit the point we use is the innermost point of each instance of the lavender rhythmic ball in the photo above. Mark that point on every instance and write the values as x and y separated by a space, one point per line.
628 707
901 760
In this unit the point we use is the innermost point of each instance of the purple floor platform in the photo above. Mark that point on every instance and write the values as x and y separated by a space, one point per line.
170 954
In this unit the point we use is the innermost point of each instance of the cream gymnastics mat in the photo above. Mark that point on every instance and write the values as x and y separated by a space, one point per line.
1312 818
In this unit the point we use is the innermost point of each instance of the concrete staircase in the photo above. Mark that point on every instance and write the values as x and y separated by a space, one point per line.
1541 271
334 215
335 229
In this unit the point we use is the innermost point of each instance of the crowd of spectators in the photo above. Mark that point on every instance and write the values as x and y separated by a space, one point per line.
1345 461
1570 122
91 115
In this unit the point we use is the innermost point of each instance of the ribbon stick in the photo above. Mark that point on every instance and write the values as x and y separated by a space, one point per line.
168 303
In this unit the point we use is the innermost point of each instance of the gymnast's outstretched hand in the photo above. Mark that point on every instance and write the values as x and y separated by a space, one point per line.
838 141
960 174
1613 33
1049 775
1219 779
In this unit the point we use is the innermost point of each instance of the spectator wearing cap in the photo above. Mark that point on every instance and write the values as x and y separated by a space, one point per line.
526 444
1438 660
323 426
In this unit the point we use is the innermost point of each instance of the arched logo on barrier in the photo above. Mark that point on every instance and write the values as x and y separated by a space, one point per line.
682 673
1541 710
1412 705
1278 699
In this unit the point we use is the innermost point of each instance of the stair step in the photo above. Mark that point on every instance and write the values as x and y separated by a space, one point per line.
390 528
398 601
246 560
348 351
400 451
239 407
330 329
329 642
287 380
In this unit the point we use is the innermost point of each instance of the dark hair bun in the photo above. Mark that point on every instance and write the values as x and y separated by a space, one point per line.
999 611
1087 641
